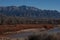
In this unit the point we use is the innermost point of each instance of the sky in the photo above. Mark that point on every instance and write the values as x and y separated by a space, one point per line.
41 4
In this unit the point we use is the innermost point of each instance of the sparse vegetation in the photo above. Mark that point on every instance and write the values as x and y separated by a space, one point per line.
12 20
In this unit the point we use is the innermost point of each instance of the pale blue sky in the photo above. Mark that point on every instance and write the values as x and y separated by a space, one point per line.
42 4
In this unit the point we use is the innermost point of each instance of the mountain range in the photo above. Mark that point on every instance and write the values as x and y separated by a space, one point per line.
28 11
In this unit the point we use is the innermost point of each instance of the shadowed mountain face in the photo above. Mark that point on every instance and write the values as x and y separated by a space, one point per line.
27 11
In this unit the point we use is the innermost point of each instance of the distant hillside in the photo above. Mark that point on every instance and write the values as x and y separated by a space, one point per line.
27 11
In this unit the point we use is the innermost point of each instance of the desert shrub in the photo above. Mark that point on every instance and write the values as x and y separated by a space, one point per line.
53 36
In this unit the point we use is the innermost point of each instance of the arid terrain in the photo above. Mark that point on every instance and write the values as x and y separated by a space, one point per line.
17 27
